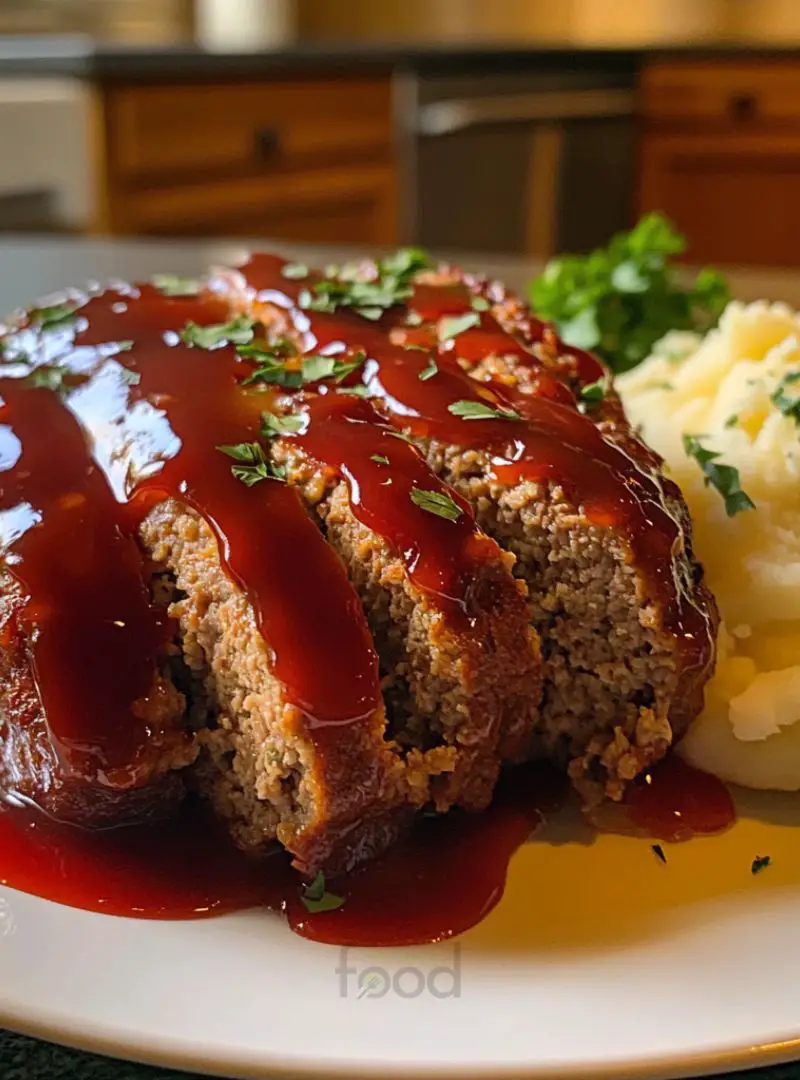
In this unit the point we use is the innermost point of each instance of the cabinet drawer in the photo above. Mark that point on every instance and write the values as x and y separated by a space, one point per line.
729 94
174 132
342 204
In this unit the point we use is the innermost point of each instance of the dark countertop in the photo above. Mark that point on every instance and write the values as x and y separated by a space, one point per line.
82 56
33 267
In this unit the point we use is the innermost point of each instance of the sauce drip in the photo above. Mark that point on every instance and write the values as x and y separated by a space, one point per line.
440 555
553 442
673 802
438 883
87 618
442 880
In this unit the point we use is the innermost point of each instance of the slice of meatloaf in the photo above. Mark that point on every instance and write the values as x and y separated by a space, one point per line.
332 796
601 538
285 687
91 725
460 665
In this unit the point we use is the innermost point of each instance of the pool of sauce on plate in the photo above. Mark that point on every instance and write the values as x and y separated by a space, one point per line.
437 883
442 879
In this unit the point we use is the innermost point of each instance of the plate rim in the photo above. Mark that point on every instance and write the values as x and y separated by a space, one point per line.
160 1053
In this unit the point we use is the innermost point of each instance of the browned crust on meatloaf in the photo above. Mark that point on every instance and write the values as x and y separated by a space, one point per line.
462 694
331 804
29 765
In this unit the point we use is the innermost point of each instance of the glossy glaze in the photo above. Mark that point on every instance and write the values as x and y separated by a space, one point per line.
553 442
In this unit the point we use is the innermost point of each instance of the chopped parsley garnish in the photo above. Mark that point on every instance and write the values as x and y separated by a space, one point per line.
391 284
343 368
761 862
173 285
357 391
480 410
436 502
479 303
594 393
237 331
273 425
725 478
429 371
317 367
453 325
130 378
402 436
732 421
47 378
252 466
294 271
271 365
316 899
786 403
658 851
49 317
381 459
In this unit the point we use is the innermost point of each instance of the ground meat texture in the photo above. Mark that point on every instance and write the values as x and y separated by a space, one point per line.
259 766
461 693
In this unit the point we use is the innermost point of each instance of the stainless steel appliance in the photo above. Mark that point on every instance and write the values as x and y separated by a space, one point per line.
532 162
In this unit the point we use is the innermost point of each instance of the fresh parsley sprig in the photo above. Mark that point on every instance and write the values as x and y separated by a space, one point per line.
251 465
481 410
452 325
346 287
621 299
316 898
49 318
436 502
236 331
786 403
725 478
174 285
594 393
273 425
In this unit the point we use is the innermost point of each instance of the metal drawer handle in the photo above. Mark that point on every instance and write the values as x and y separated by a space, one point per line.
266 142
447 117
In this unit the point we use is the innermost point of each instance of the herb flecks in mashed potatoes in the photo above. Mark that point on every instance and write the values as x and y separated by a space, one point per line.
734 390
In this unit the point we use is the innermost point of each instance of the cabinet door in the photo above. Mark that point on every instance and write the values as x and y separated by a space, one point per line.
735 196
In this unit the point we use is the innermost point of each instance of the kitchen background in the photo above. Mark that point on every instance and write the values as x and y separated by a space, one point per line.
510 126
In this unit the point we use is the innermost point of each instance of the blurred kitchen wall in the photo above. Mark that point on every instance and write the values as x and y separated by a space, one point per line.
600 21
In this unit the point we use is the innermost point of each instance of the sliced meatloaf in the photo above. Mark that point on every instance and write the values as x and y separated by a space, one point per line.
91 726
460 665
601 538
275 654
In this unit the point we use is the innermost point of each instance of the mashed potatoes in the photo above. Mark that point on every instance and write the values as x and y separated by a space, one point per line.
735 390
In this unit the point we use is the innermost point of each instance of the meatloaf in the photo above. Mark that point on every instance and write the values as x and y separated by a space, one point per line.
531 434
272 673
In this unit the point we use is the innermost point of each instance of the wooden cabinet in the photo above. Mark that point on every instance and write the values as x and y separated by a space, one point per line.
721 157
303 158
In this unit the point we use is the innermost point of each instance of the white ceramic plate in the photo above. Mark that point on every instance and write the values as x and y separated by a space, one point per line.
599 962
